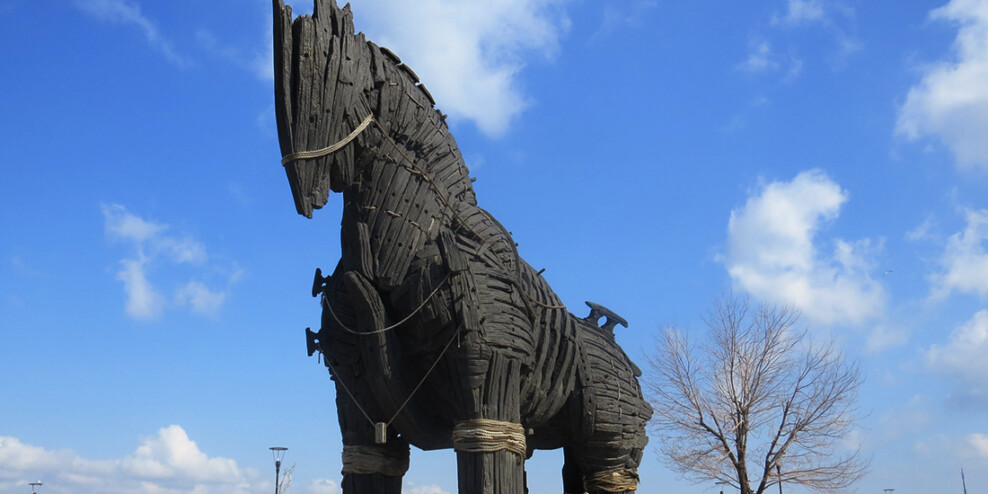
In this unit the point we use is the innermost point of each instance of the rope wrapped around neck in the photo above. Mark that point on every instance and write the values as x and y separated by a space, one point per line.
488 436
319 153
616 480
370 460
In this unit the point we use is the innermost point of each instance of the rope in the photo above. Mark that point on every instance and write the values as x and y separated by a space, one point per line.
369 460
319 153
339 379
616 480
325 303
487 436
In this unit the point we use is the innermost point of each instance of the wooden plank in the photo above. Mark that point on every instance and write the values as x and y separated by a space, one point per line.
323 87
283 74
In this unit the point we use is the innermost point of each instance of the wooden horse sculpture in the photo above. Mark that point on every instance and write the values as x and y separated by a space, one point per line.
435 331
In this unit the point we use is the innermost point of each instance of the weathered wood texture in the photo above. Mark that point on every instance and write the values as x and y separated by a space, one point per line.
431 318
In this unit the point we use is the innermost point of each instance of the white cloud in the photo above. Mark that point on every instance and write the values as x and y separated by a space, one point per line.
923 230
772 253
835 19
202 300
964 448
624 15
885 335
962 358
123 225
123 12
323 486
800 12
143 301
412 488
965 260
978 443
468 53
169 462
152 246
760 57
951 100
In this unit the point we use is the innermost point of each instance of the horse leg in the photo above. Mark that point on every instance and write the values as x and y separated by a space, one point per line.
572 474
606 462
368 468
490 446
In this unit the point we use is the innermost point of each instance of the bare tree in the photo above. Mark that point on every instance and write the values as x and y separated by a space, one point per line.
757 405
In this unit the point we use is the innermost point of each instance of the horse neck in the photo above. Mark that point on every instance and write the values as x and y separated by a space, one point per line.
409 187
408 153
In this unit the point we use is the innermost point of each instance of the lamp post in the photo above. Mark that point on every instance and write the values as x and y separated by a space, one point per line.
778 470
35 486
278 453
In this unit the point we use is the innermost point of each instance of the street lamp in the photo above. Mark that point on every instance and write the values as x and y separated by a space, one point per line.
778 470
278 453
722 483
35 486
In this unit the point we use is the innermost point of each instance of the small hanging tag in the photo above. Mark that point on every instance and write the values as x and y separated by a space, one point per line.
380 432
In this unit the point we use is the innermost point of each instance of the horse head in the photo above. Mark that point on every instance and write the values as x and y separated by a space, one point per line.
342 101
325 88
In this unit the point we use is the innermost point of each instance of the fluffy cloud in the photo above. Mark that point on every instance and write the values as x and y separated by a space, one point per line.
202 300
126 13
412 488
760 57
978 444
772 253
951 100
835 19
468 53
169 462
152 245
962 358
323 486
801 12
965 260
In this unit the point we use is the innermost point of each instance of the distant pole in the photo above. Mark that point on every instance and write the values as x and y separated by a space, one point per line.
778 470
963 482
721 483
278 453
35 486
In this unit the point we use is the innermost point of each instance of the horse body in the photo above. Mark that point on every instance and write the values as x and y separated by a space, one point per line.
435 330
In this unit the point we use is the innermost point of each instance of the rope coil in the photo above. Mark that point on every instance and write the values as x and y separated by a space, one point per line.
616 480
369 460
488 436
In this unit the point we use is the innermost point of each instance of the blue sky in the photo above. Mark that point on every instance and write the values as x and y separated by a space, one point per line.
154 276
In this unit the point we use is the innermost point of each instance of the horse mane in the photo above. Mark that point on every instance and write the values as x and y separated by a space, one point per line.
407 110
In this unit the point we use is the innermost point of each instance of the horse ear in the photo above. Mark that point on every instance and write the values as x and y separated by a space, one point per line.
326 6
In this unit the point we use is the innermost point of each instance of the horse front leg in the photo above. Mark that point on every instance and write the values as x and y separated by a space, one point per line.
490 446
368 467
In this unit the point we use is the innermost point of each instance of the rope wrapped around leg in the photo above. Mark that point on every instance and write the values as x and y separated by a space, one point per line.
371 460
616 480
487 436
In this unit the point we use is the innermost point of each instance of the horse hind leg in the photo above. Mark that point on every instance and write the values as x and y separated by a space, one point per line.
605 470
606 460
